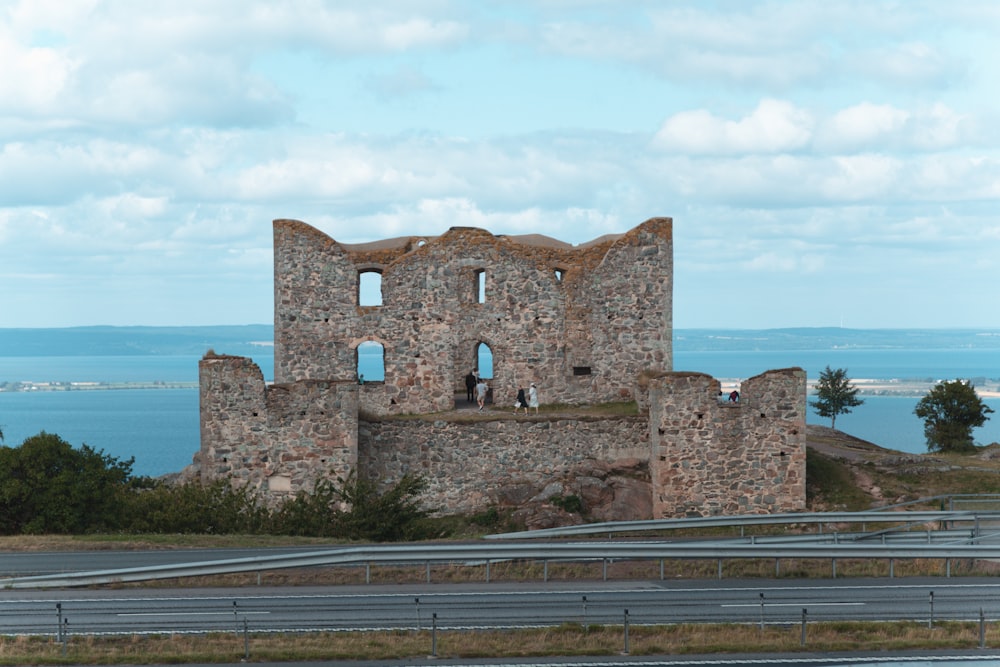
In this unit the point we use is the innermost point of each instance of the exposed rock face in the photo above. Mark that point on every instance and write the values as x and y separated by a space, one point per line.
588 324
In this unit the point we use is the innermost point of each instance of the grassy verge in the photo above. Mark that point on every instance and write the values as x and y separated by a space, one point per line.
567 640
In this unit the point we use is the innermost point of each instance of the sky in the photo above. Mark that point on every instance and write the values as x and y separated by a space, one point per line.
830 163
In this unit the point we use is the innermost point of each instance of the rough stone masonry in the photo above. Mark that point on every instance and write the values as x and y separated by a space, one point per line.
589 324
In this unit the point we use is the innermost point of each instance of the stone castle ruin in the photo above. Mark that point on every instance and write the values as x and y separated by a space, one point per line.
589 324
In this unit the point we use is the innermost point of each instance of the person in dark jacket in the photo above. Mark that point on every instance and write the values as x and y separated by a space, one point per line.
470 387
521 401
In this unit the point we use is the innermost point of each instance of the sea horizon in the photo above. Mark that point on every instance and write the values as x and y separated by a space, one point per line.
150 407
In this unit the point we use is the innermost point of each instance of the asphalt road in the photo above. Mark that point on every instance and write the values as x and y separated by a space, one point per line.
506 605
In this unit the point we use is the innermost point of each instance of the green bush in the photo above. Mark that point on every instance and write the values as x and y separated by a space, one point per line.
48 486
193 508
571 503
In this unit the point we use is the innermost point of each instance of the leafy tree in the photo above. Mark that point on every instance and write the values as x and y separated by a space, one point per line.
389 516
48 486
950 411
835 395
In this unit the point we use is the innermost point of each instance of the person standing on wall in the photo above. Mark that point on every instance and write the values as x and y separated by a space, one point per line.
532 398
470 386
481 389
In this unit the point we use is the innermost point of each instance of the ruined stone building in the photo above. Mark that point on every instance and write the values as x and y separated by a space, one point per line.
590 323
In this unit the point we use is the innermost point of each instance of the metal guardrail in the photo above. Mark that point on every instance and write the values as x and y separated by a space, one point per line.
744 521
831 547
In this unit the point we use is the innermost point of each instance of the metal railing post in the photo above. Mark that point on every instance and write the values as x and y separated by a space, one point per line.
246 640
416 604
626 651
982 628
762 612
59 621
802 641
930 619
434 635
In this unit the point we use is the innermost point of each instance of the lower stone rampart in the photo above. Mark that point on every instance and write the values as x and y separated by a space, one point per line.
687 453
472 466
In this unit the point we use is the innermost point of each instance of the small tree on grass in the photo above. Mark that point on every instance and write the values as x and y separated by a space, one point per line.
950 411
835 395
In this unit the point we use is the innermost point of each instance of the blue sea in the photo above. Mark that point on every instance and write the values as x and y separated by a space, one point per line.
160 429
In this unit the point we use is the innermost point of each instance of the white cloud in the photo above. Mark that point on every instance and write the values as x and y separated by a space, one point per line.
909 64
774 126
868 126
788 140
864 124
31 78
860 177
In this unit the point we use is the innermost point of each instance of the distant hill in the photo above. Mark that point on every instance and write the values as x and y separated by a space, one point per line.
831 338
248 340
126 341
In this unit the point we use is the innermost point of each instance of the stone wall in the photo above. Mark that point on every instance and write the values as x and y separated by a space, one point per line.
691 454
277 439
473 466
711 456
588 324
580 321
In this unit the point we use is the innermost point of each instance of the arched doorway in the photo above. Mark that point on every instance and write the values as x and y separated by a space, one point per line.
484 360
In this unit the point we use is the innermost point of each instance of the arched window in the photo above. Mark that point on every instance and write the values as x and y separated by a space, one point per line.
370 288
484 361
370 362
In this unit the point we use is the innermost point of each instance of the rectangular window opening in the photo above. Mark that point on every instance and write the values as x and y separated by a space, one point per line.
581 370
480 286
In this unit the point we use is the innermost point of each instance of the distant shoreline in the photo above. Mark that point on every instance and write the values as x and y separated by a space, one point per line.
865 386
885 387
36 387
